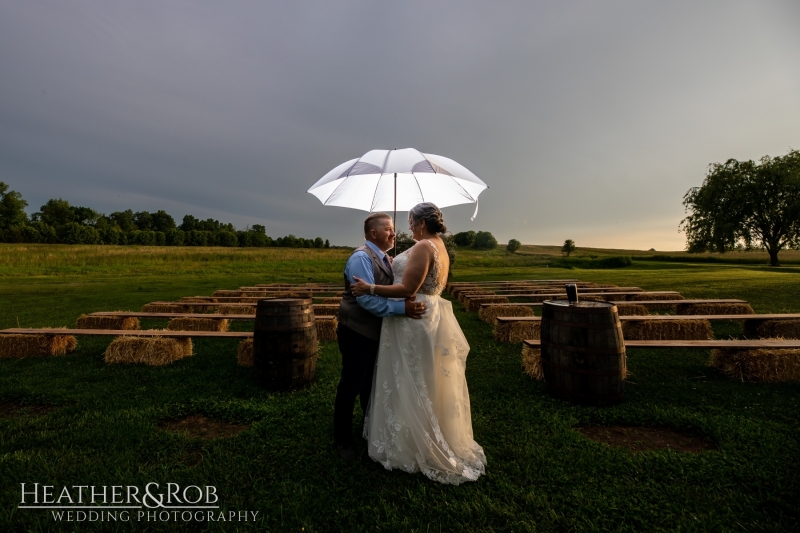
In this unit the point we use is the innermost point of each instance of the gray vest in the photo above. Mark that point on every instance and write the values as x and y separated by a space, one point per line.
353 315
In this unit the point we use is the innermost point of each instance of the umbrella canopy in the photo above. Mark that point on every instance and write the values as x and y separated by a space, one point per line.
385 180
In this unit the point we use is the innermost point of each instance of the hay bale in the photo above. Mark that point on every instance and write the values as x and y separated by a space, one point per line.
15 346
326 310
632 310
231 309
227 293
244 356
766 365
198 324
467 294
786 329
332 300
107 322
166 308
532 362
154 351
291 294
517 331
643 297
326 328
509 292
198 299
714 309
462 288
472 304
655 330
488 314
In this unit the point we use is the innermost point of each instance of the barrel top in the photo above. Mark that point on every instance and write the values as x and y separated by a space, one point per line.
585 306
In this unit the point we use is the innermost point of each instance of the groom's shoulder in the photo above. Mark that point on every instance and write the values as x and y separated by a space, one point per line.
359 254
361 250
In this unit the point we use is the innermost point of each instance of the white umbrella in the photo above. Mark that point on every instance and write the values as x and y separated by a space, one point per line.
381 180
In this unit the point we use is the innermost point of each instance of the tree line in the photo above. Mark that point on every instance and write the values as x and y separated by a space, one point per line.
58 222
744 205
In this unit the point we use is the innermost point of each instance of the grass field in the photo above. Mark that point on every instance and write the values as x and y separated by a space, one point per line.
542 475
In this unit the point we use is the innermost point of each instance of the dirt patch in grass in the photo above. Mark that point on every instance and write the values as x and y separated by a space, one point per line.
643 439
14 409
202 426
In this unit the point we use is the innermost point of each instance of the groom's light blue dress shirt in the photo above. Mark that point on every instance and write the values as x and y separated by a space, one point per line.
360 265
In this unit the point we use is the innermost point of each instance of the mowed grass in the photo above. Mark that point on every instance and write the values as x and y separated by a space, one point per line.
542 475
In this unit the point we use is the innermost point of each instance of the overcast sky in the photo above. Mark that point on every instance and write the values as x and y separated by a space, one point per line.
588 120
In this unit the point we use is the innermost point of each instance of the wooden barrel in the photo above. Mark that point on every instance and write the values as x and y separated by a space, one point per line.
284 343
583 353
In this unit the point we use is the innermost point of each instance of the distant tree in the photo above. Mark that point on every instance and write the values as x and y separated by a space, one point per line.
123 220
85 215
75 233
484 240
12 208
513 245
318 242
162 221
143 220
110 235
258 228
227 238
402 242
464 238
568 247
174 237
450 246
56 212
747 203
327 243
189 223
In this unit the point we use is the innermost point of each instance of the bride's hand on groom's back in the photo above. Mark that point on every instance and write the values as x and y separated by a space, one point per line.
360 287
414 309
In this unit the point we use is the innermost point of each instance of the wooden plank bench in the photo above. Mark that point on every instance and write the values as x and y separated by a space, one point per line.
250 302
706 344
639 318
645 302
556 290
291 289
140 314
459 283
227 299
127 332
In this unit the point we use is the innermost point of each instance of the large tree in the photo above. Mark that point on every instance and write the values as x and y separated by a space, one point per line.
12 208
746 203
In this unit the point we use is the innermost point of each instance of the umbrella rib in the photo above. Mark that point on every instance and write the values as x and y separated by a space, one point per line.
452 178
421 195
374 194
342 182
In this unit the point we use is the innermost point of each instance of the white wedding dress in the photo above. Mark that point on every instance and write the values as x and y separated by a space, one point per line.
419 413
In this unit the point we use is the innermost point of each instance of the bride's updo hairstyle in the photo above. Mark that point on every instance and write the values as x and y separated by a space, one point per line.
431 214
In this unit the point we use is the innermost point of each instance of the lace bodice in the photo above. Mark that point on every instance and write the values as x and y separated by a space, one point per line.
431 285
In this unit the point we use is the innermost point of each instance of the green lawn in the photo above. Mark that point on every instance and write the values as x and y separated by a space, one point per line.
542 474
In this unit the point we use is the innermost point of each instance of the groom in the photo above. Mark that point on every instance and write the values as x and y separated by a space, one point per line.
359 328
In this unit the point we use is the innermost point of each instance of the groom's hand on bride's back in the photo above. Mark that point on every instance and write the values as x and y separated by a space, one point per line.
414 309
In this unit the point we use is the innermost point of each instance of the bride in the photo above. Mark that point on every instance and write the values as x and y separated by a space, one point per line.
419 413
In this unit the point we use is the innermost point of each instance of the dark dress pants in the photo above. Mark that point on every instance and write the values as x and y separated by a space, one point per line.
358 364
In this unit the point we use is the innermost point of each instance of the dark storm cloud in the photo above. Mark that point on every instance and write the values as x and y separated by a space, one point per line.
588 120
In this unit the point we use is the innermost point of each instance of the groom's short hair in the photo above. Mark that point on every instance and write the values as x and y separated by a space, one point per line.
371 222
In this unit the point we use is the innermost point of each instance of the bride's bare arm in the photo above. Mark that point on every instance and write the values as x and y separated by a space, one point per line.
419 261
